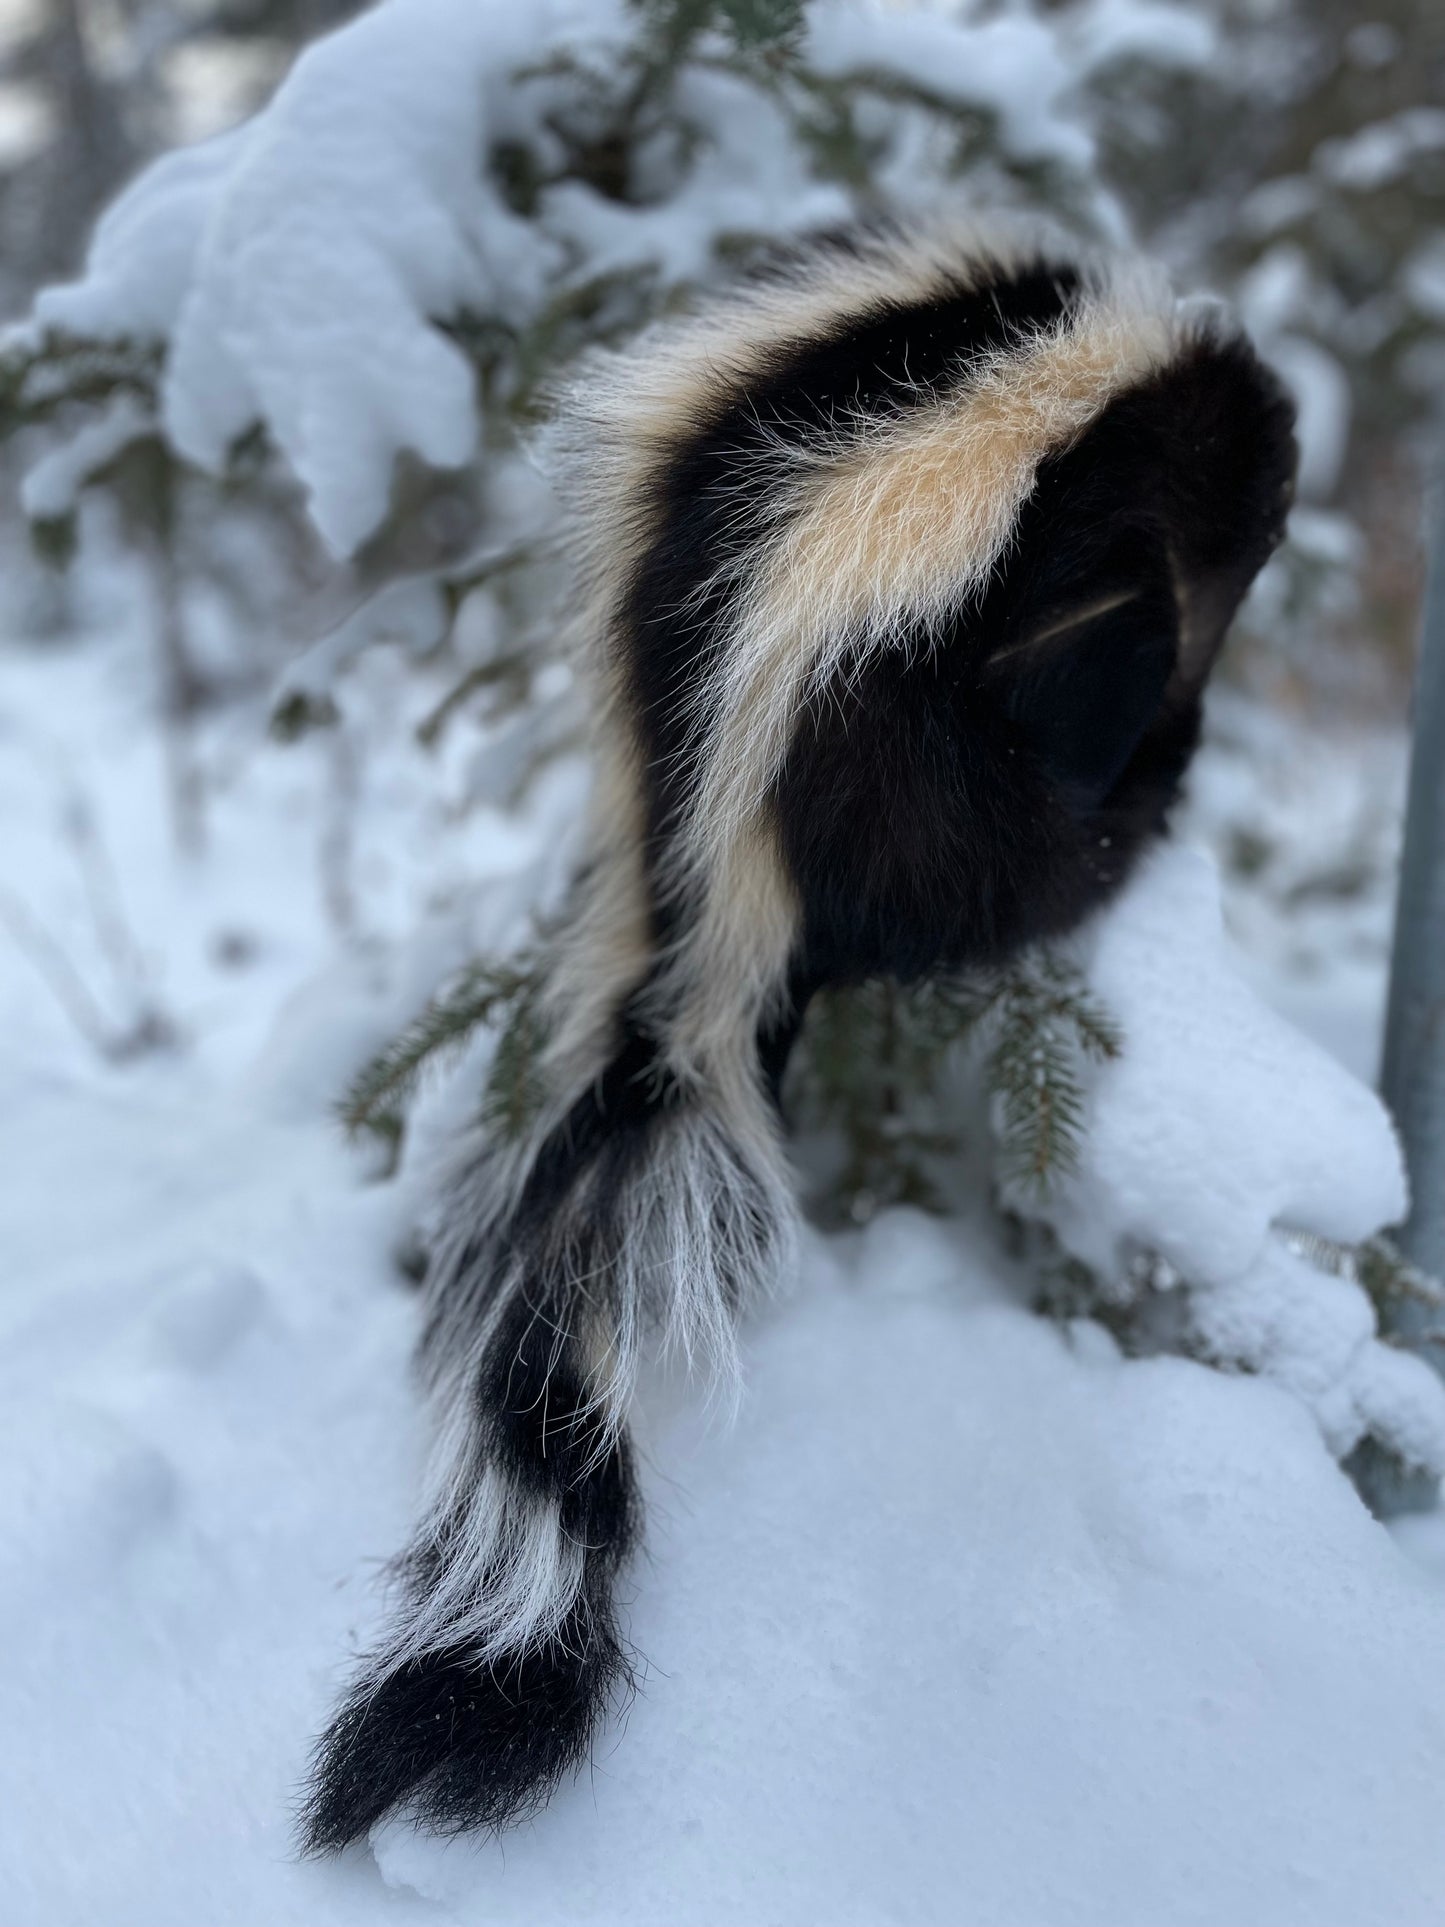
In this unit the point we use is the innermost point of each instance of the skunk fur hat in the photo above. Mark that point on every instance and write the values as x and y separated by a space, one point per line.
903 570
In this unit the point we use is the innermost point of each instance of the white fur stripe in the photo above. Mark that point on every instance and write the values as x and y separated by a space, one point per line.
895 528
849 542
708 1217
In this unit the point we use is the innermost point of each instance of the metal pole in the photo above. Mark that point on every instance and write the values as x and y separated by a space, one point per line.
1414 1070
1413 1076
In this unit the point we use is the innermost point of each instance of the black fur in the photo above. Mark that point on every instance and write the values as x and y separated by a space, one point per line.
895 358
452 1740
462 1743
978 790
459 1741
945 801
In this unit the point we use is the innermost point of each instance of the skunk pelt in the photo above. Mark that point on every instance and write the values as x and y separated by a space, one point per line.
902 572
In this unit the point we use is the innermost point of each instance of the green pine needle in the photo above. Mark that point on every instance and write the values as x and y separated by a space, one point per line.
874 1063
1048 1025
514 1090
484 993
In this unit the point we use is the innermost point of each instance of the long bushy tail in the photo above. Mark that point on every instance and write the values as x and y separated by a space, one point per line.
648 1205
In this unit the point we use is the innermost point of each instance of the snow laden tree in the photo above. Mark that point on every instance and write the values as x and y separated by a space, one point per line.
94 90
303 361
1304 170
340 319
364 311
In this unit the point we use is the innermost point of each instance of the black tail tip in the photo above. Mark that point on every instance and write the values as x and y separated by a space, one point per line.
459 1743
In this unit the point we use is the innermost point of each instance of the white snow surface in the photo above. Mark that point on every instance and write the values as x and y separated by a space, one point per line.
966 1620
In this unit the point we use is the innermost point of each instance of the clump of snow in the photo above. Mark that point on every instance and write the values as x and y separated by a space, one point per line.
1012 66
1425 277
315 249
1277 299
1278 204
1219 1120
1315 1335
52 484
1220 1129
1107 32
411 611
1321 392
300 270
142 258
1306 821
1373 156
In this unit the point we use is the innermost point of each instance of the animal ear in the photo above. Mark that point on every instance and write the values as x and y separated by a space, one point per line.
1086 680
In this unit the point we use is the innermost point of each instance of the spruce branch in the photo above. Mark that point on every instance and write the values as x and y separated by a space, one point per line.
507 680
875 1061
1390 1278
751 26
513 1094
1048 1024
867 1073
483 993
39 381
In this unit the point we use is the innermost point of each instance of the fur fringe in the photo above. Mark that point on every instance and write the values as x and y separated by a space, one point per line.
900 574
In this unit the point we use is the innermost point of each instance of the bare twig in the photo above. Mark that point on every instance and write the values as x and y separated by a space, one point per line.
338 830
151 1029
181 697
113 933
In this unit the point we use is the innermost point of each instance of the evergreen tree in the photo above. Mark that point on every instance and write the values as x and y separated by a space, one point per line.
619 170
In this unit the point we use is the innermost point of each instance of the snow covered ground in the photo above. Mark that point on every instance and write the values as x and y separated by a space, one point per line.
965 1621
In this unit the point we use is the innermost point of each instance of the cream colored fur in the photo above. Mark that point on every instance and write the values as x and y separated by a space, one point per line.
851 543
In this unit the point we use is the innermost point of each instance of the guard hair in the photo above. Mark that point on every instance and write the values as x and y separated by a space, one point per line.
901 570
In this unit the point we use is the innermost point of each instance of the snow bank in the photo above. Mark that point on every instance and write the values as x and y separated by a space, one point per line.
1221 1127
1219 1120
959 1623
963 1626
965 1621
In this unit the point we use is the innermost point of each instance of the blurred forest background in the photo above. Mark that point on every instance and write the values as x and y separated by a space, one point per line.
300 575
1290 153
